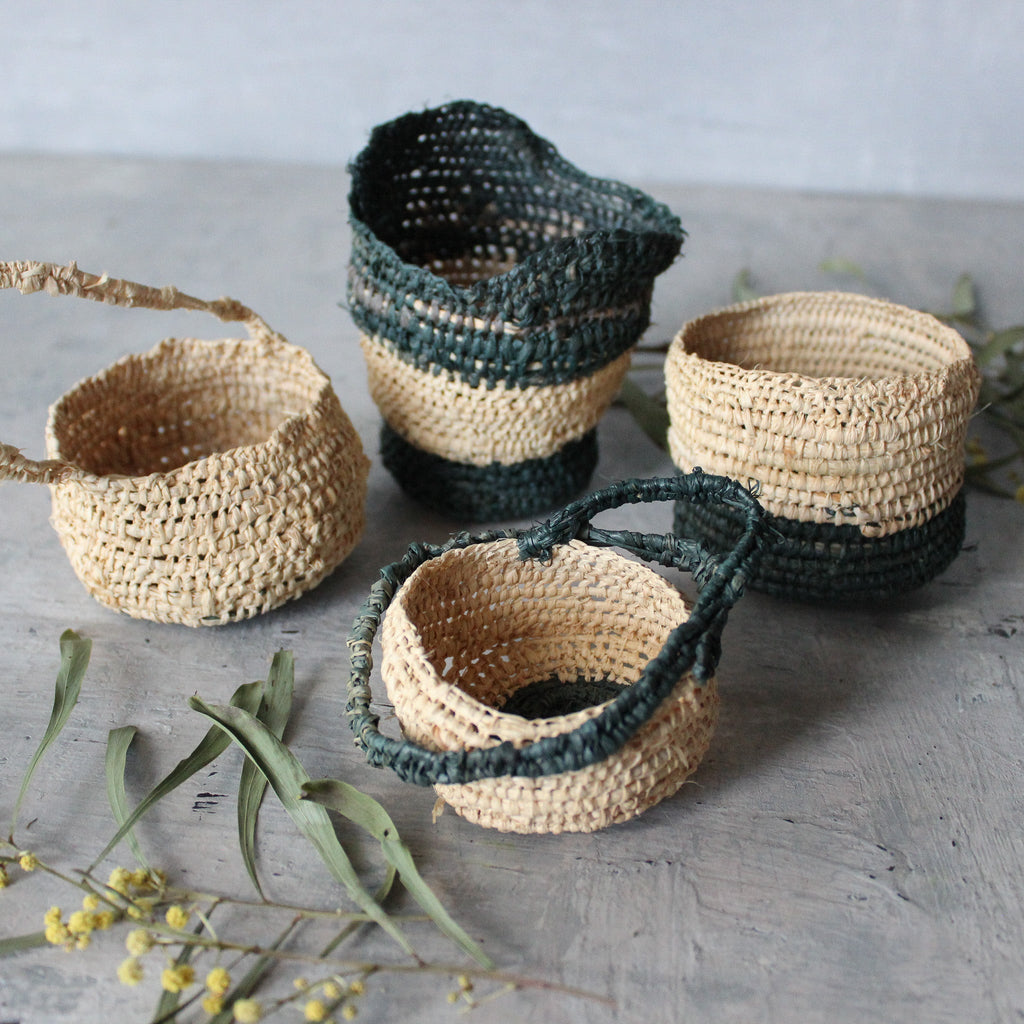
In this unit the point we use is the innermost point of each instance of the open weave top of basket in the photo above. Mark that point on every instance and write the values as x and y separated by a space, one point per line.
844 409
478 249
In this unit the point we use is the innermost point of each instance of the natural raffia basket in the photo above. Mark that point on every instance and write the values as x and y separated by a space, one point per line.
500 291
849 414
545 683
201 482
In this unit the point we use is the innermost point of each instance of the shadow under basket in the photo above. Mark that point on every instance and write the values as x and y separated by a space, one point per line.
543 682
499 291
203 481
848 414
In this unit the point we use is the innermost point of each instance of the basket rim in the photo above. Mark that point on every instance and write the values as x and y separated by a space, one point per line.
278 438
937 378
540 727
661 224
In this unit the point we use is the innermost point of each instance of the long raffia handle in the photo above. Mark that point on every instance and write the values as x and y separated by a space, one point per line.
29 276
55 279
693 646
14 466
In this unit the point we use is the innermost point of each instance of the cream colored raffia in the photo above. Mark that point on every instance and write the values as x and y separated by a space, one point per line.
444 415
203 481
471 627
844 409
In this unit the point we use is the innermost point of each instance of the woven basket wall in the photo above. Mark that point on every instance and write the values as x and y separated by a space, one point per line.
499 291
849 414
474 627
203 481
544 682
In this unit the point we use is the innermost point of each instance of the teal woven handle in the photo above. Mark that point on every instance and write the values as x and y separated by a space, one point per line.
694 645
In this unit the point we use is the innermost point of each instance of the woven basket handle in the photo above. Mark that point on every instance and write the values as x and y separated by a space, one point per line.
693 646
55 279
30 276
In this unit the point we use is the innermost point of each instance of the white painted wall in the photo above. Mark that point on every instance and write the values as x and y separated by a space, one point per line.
909 96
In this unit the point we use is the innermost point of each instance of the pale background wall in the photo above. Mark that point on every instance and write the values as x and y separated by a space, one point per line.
905 96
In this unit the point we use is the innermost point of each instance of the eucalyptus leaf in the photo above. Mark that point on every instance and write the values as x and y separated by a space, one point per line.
650 414
965 302
742 288
118 742
21 943
212 745
286 777
838 265
368 814
274 709
998 344
74 659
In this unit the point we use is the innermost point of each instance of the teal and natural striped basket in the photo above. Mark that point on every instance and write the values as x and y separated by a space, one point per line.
849 415
499 291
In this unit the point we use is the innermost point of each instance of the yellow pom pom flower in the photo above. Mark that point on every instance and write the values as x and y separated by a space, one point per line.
247 1011
212 1004
57 933
218 981
177 979
138 941
176 917
80 923
315 1011
28 861
331 990
120 880
130 972
90 902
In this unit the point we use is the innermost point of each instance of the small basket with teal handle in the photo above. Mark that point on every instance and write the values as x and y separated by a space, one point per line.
544 682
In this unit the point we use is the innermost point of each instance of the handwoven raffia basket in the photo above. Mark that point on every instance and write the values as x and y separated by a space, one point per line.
849 414
201 482
543 682
499 291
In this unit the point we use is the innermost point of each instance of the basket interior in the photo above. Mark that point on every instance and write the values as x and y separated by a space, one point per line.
825 336
184 400
493 626
468 192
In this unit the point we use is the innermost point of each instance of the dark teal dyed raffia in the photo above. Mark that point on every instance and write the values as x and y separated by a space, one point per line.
695 645
819 561
468 181
481 493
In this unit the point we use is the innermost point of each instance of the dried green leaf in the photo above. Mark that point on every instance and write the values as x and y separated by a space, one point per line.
742 288
21 943
74 659
838 265
998 343
286 777
965 302
368 814
212 745
650 414
274 710
118 742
